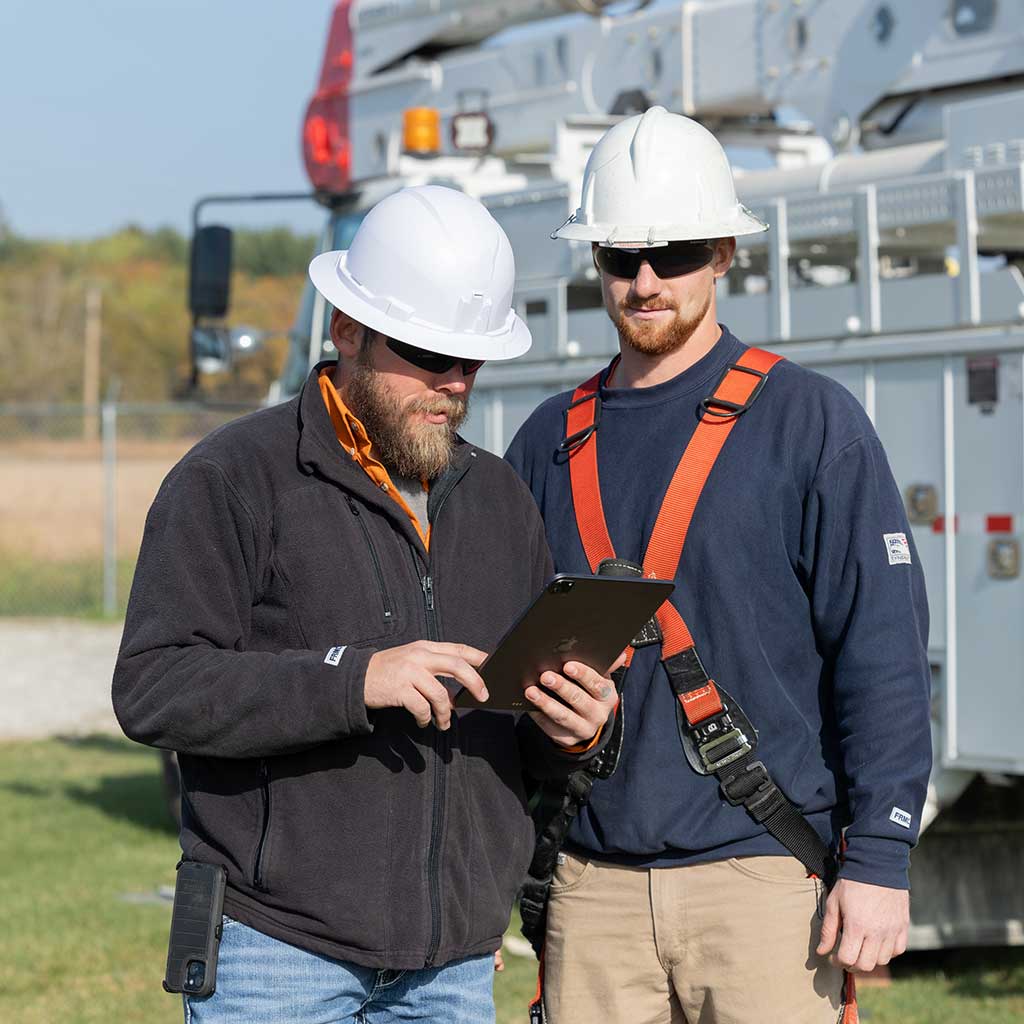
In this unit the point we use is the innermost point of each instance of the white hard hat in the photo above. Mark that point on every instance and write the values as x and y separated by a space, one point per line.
656 178
431 267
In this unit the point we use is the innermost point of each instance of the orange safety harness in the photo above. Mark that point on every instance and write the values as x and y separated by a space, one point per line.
717 737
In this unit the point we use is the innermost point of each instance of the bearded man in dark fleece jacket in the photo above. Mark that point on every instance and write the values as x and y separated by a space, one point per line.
306 575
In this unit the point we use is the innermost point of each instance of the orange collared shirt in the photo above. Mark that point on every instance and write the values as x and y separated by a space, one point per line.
353 438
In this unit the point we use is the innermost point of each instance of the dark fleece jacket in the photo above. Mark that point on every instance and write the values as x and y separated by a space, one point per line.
270 572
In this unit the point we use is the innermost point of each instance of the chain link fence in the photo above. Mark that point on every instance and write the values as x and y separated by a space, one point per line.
76 483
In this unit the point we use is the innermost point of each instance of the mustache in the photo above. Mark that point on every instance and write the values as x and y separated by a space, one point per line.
435 405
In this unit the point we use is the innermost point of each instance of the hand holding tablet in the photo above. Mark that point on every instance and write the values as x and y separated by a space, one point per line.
585 619
572 708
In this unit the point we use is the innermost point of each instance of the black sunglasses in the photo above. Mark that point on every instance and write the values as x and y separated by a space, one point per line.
672 260
432 362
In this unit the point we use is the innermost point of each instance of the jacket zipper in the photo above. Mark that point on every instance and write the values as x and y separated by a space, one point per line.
378 572
440 780
257 871
427 586
442 746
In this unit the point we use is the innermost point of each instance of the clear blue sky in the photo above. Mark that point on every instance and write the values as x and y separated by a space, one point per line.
118 111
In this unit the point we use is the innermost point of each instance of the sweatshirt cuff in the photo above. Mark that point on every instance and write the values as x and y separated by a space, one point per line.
876 861
584 752
582 748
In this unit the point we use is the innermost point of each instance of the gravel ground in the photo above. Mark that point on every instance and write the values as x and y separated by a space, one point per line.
55 677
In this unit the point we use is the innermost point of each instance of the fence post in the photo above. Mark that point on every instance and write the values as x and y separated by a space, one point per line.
91 360
109 421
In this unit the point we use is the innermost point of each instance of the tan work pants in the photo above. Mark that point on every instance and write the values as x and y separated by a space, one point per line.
730 942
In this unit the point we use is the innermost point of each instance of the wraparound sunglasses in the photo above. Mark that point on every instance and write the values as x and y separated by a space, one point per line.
432 362
672 260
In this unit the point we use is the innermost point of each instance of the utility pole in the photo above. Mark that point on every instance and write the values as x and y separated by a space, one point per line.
91 362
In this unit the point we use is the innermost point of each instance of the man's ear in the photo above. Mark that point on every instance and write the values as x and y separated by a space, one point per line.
725 252
346 334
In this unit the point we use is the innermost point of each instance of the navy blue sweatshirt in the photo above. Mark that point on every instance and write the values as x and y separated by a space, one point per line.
802 589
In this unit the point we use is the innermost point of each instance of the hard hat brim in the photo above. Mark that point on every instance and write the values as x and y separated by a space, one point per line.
641 236
330 277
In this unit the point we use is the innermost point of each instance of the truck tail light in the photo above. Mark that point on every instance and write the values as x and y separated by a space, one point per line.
326 149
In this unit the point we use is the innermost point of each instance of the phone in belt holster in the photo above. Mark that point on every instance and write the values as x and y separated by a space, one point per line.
195 929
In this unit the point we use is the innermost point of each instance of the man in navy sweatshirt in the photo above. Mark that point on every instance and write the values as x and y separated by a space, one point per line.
801 587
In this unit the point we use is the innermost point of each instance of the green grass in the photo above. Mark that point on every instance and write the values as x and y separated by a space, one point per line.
32 586
515 987
978 986
84 824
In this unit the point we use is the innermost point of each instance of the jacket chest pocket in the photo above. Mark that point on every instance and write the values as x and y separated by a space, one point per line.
344 571
386 604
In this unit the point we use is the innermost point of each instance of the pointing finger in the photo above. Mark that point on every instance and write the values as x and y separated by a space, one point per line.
472 655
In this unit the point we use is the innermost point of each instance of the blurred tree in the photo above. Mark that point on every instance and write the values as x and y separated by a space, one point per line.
12 246
145 320
272 252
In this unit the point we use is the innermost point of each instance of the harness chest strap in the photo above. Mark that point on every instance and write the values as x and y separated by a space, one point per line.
716 735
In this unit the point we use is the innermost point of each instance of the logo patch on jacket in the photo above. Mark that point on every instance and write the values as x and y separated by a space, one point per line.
897 548
900 817
334 655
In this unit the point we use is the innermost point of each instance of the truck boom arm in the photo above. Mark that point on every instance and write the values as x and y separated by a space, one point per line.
725 62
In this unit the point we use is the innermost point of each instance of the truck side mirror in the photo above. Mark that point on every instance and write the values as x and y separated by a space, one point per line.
209 283
216 347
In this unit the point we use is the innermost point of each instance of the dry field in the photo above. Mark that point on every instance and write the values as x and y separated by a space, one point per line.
52 503
53 500
52 496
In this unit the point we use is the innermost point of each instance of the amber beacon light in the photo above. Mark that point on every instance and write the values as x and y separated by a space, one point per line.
421 130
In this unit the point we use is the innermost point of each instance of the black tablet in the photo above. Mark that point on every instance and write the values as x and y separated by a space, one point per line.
589 619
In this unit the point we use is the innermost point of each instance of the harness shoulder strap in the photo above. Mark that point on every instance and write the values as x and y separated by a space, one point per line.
580 443
735 392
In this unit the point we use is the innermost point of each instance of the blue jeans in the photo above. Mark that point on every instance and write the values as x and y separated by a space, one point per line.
261 980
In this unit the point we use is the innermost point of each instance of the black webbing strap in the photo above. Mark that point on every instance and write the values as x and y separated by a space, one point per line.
558 803
557 809
746 782
724 744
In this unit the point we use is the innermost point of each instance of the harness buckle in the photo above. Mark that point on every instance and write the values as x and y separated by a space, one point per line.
738 746
732 409
574 441
753 788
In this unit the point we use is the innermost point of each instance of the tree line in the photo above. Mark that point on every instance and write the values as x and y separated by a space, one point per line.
144 323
